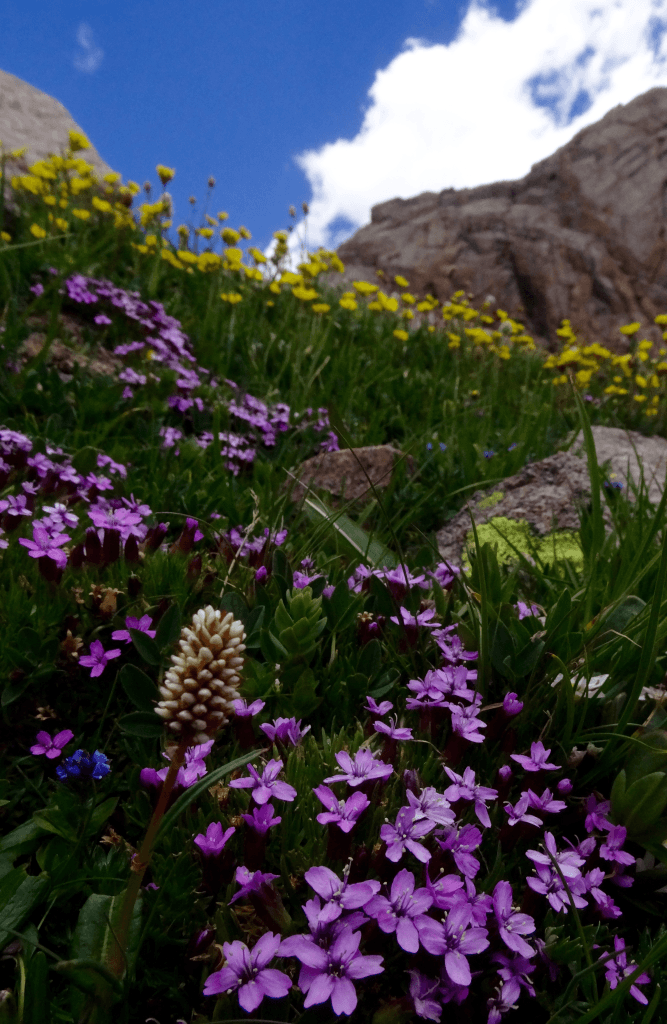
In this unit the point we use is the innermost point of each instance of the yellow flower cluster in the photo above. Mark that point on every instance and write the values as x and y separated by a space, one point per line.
614 376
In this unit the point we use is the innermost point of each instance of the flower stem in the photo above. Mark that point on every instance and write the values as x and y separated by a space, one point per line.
141 860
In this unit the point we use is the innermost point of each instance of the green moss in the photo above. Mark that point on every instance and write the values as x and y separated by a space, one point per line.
491 500
506 535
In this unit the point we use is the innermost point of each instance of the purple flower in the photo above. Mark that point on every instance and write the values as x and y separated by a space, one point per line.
421 619
46 544
398 913
421 988
98 658
537 762
511 924
525 611
549 884
261 574
328 591
404 833
338 896
456 941
245 970
51 747
244 710
512 705
37 289
82 765
392 731
261 819
330 973
460 844
343 813
545 803
377 709
211 844
265 786
466 788
102 320
611 848
465 723
432 805
518 813
301 579
568 861
617 969
362 769
597 811
141 624
284 730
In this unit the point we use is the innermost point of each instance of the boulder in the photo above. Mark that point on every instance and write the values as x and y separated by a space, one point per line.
346 473
581 236
32 118
539 506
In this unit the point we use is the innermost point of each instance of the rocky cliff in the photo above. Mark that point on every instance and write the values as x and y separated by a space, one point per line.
581 236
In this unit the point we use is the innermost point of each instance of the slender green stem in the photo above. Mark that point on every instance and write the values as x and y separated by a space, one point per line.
141 861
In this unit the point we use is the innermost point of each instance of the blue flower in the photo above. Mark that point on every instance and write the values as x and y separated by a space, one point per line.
443 446
82 765
489 454
512 446
429 446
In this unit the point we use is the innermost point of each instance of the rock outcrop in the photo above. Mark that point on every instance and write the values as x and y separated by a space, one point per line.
548 495
347 473
32 118
581 236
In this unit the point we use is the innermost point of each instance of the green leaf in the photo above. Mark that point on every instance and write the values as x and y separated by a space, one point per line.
92 946
14 691
145 724
168 628
358 539
28 832
253 628
36 1006
16 909
101 814
139 687
85 460
234 603
370 659
146 647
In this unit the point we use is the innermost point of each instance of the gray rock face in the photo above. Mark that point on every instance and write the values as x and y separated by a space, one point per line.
346 473
548 494
29 117
581 236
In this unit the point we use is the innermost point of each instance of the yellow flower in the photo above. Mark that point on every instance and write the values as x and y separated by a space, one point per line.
320 307
401 282
62 224
639 398
305 294
256 254
205 232
654 381
504 352
222 215
232 297
134 187
614 390
641 381
364 287
77 141
79 185
102 205
410 299
230 236
254 273
37 231
185 256
618 380
274 287
407 314
5 236
645 345
50 200
661 319
111 178
401 335
165 174
244 233
454 343
347 303
287 277
270 302
431 329
474 394
630 329
18 153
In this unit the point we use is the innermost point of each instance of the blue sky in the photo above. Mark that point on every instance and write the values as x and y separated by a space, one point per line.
343 105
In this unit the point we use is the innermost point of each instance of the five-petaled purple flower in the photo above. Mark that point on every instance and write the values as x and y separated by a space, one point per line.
131 622
455 940
97 660
465 787
403 908
261 819
46 544
330 973
212 844
52 747
537 762
617 968
265 786
404 833
338 896
512 924
363 768
343 813
246 971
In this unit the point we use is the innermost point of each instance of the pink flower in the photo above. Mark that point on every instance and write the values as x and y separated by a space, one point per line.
131 623
98 658
51 747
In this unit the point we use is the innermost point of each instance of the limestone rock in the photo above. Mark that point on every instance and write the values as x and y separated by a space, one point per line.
581 236
549 494
346 473
32 118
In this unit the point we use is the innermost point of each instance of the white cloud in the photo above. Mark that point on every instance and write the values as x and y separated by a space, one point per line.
90 59
486 106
